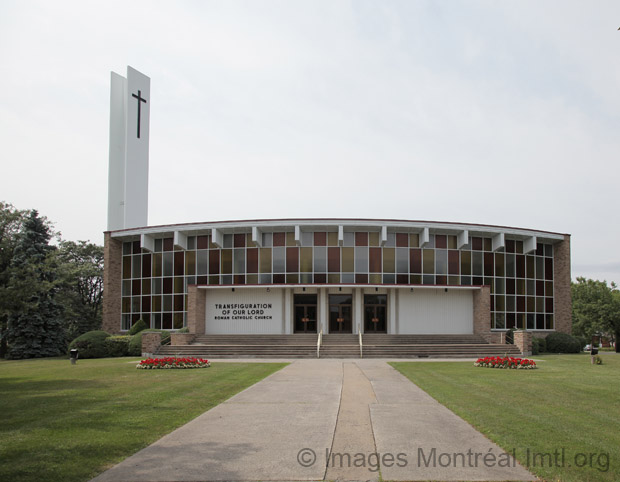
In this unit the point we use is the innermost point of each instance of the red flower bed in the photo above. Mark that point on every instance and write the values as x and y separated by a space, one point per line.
173 363
505 362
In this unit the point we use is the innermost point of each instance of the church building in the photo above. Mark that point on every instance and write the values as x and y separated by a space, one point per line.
330 276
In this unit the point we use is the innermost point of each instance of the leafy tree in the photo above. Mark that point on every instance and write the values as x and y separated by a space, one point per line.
34 324
81 286
596 308
11 221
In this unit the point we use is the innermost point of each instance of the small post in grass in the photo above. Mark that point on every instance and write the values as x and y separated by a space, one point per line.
73 354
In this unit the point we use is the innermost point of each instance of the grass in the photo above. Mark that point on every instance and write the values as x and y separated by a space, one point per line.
69 423
566 405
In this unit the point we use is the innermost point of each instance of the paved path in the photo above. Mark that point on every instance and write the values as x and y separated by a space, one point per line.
323 420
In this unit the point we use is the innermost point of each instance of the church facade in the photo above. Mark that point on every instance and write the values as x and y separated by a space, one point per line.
337 276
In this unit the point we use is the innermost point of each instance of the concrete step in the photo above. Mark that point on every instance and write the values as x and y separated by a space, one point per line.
451 351
383 339
296 339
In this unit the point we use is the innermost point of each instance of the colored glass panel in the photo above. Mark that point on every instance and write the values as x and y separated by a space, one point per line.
441 241
214 261
415 260
374 262
265 260
389 265
348 260
252 260
453 262
373 239
226 255
279 239
428 262
292 260
190 263
361 239
333 260
402 240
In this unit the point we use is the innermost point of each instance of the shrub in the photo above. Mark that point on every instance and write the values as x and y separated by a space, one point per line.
134 347
135 343
539 345
91 344
185 329
598 360
583 341
117 345
563 343
542 345
138 327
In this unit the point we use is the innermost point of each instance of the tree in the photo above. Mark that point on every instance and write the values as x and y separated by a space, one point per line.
11 221
81 286
34 324
596 308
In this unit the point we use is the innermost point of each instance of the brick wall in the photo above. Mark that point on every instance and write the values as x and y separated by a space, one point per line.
196 309
151 341
482 312
523 341
113 265
561 284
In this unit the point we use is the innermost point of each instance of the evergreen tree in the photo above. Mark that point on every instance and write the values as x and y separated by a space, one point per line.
11 220
34 327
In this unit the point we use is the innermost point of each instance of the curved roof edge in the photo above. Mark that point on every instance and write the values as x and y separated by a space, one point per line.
348 224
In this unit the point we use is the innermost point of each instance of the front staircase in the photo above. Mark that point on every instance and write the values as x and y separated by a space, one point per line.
339 346
246 346
436 346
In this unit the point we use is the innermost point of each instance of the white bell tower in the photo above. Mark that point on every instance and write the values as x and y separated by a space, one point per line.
128 179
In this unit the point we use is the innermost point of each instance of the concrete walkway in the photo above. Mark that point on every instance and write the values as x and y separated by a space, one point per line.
323 420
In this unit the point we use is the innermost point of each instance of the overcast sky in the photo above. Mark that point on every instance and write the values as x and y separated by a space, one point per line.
485 112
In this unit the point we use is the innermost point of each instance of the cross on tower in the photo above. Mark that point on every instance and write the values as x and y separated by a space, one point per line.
140 100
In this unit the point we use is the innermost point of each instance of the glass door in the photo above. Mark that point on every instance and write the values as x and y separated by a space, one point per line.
375 313
305 313
340 311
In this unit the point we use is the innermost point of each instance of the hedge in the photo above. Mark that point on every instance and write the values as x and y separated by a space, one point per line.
117 345
91 344
563 343
138 327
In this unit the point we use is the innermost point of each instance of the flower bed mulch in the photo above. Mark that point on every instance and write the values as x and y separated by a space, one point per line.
173 363
505 362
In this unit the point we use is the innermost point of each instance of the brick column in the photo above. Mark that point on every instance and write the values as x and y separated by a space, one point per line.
523 341
196 309
562 301
112 278
482 312
151 341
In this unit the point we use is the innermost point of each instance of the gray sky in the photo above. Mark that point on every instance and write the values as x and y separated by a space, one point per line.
485 112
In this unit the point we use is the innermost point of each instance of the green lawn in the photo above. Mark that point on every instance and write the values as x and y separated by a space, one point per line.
566 405
69 423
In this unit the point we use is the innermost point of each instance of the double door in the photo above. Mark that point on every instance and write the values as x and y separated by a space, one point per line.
340 313
305 313
375 313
